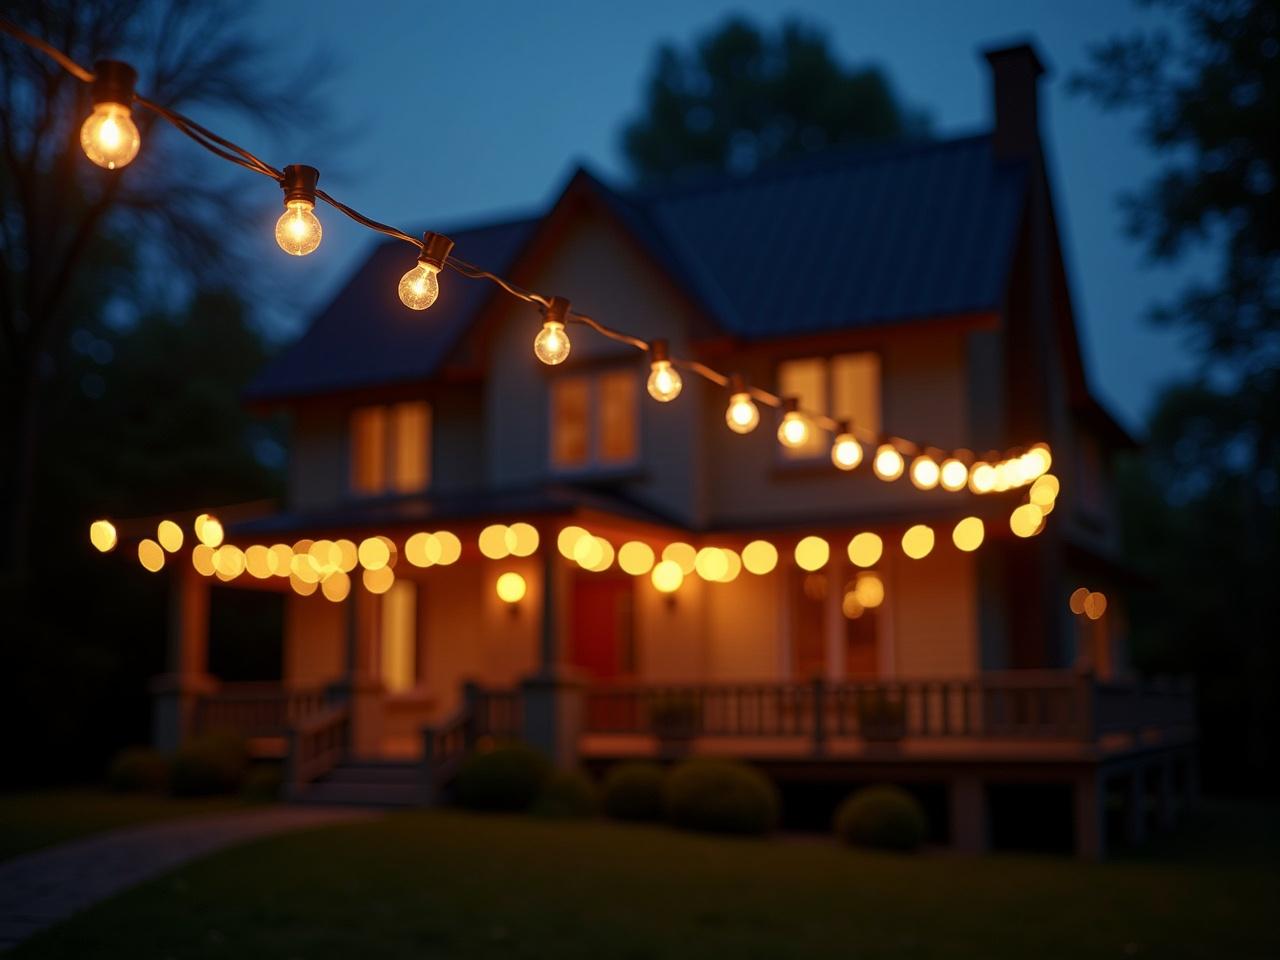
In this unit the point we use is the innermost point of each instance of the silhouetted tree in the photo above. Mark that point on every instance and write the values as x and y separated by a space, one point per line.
742 97
1203 508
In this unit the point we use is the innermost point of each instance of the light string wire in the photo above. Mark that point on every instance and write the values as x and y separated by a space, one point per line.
234 153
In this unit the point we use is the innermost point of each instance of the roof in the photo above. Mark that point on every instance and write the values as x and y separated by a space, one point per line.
843 239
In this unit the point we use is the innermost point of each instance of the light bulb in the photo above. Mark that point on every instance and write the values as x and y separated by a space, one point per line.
742 415
846 452
982 477
419 287
924 472
551 345
888 464
109 137
298 230
794 430
954 475
664 381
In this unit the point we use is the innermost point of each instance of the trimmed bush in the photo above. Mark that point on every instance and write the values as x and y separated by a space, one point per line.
262 785
633 791
883 817
209 764
140 770
721 796
508 777
567 794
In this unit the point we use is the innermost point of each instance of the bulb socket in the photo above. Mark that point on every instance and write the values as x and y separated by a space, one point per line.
658 352
790 405
737 383
436 248
113 82
557 311
299 183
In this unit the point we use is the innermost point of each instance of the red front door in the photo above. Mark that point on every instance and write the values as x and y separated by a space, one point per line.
601 634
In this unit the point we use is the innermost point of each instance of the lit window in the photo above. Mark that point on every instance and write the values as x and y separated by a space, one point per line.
399 636
390 448
594 420
846 386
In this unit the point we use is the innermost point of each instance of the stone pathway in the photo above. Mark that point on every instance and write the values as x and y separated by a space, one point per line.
41 888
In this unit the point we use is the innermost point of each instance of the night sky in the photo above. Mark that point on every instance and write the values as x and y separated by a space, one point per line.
449 113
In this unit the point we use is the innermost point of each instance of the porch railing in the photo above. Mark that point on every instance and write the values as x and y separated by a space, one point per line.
258 709
317 744
482 713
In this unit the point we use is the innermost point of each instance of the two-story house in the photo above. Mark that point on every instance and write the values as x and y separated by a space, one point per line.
916 289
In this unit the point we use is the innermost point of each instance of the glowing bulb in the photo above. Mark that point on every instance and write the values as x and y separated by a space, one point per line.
511 588
742 415
150 555
635 558
102 534
794 430
917 542
667 576
551 345
865 549
868 590
664 381
812 553
419 287
954 475
982 478
760 557
109 137
1026 521
888 464
298 230
169 535
846 452
924 472
968 534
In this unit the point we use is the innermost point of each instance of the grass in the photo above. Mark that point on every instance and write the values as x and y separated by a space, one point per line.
29 821
433 883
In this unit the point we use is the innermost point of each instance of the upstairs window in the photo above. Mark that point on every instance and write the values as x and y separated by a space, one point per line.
594 420
847 386
390 448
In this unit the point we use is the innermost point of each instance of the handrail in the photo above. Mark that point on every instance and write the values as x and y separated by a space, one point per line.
258 708
482 713
316 744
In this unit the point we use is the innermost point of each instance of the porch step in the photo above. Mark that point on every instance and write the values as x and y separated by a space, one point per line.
376 772
370 783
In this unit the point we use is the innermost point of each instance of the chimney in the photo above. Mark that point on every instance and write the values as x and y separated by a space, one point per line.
1015 72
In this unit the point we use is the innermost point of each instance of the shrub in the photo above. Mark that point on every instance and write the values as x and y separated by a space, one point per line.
507 777
566 794
262 785
633 791
723 796
140 770
883 817
208 764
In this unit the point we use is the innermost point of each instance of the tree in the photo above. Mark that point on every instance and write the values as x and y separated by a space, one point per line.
1203 507
742 98
77 241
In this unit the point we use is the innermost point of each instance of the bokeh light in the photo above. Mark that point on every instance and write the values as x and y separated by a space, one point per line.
917 542
635 558
760 557
968 534
812 553
865 550
511 587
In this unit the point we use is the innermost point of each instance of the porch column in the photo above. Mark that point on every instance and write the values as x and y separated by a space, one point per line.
969 832
1090 791
551 699
364 676
176 692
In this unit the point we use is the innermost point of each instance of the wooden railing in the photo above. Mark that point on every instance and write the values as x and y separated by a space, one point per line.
482 713
317 744
258 709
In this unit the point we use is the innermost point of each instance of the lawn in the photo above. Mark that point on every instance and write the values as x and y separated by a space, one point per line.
29 821
444 884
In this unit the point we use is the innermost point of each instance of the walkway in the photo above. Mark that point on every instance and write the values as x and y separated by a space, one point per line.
39 889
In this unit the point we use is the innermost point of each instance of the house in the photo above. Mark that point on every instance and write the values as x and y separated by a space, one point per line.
916 289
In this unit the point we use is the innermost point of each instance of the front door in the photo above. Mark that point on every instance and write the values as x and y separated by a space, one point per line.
601 631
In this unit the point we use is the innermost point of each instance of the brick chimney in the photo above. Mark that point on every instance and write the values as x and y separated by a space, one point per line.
1015 72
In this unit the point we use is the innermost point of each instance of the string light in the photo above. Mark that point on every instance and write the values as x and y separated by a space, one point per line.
982 477
968 534
419 287
109 137
794 430
917 542
865 550
759 557
954 475
102 534
1026 521
551 345
298 230
664 382
924 472
846 451
888 464
742 415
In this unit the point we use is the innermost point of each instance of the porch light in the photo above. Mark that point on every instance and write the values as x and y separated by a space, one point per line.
982 477
551 345
812 553
846 452
742 415
150 555
888 464
419 287
924 472
954 475
667 576
664 383
759 557
1026 520
917 542
109 137
865 550
795 429
511 588
102 534
298 231
635 558
968 534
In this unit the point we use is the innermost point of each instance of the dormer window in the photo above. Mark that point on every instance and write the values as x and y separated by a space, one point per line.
594 421
390 448
846 385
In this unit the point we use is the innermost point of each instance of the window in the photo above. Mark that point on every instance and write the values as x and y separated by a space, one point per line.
847 386
390 448
594 420
398 630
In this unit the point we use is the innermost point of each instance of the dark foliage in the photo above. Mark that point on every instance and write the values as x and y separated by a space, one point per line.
568 794
210 764
508 777
720 796
883 817
633 791
140 770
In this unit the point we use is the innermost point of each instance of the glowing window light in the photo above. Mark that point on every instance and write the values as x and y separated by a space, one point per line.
735 565
422 549
982 477
682 554
169 534
888 463
917 542
511 588
1095 605
336 586
711 564
493 541
303 588
378 580
759 557
568 539
635 558
1076 602
865 550
202 559
150 555
450 547
846 452
102 534
1045 490
954 475
522 539
209 530
812 553
924 472
868 589
667 576
1026 520
228 561
968 534
281 559
257 561
373 554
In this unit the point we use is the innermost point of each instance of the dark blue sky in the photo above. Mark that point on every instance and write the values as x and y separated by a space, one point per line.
460 111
